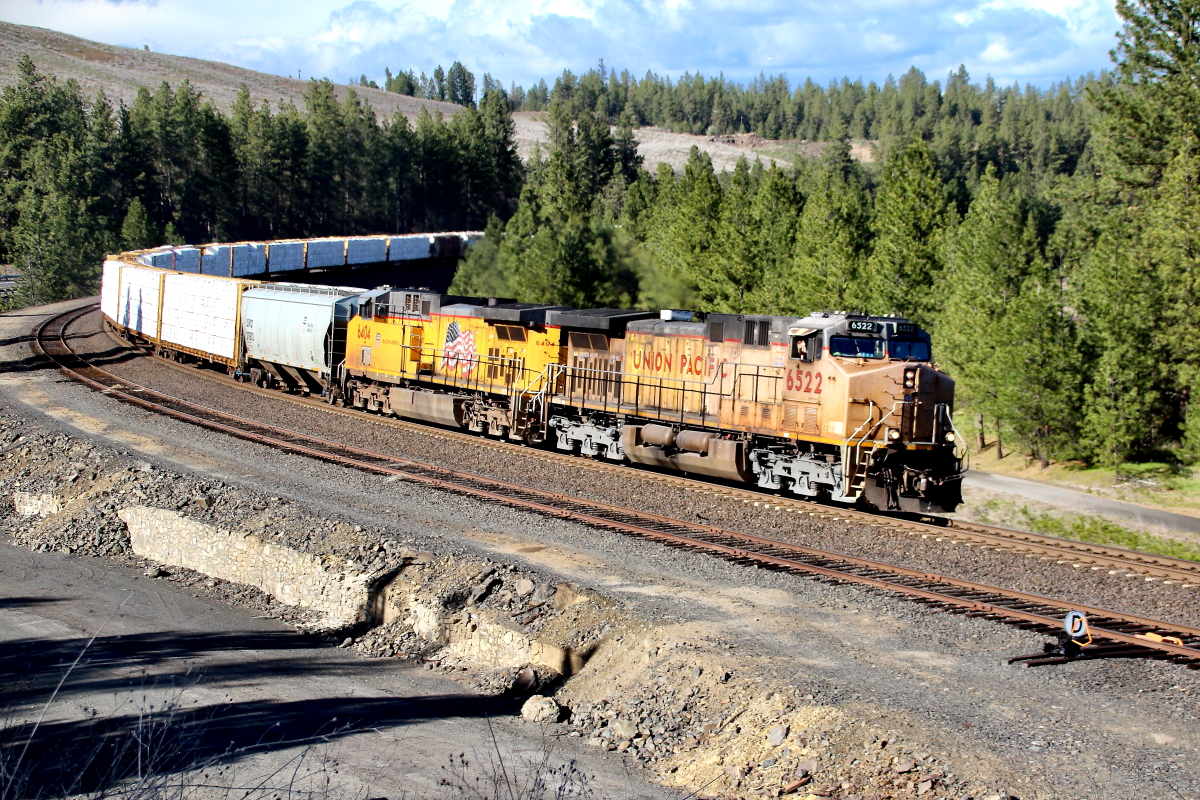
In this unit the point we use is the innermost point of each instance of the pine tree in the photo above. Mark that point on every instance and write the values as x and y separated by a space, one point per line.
136 232
1152 108
1003 333
460 85
401 83
32 112
326 165
1035 369
832 238
480 274
1128 384
507 172
683 231
57 243
911 216
172 236
1173 236
760 210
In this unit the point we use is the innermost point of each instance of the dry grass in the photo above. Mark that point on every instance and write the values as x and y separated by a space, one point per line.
657 145
121 71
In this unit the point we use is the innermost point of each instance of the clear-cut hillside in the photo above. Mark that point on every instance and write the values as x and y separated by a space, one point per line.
121 71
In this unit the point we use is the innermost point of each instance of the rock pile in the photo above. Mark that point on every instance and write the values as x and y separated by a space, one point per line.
696 722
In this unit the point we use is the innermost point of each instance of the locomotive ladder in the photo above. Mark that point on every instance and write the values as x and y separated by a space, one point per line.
856 459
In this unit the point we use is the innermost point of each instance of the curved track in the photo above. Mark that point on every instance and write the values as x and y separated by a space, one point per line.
1116 634
1077 553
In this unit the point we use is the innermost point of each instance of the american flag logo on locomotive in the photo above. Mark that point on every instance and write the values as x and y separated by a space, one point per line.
460 350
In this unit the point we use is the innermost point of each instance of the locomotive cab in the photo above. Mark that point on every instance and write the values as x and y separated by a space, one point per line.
900 451
865 416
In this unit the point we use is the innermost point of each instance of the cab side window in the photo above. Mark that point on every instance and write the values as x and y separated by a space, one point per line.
806 348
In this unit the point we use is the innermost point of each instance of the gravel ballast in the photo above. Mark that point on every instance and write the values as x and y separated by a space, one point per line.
843 668
1032 574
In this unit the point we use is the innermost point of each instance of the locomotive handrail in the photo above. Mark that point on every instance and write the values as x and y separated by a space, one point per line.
656 386
959 441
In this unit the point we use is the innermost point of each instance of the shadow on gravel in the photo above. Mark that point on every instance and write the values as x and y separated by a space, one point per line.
105 666
15 602
108 352
92 755
30 363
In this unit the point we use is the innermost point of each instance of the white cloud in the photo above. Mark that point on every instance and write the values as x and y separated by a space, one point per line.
996 53
1038 41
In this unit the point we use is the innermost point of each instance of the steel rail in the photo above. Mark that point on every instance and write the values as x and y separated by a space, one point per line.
1124 633
1079 553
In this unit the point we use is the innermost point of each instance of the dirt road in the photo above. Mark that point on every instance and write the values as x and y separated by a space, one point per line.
372 727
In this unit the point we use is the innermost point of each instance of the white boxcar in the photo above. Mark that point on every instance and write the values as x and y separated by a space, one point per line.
200 315
288 323
366 249
137 299
285 256
249 259
163 258
410 247
110 288
326 253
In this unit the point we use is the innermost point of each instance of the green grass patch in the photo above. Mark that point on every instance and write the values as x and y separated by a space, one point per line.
1102 531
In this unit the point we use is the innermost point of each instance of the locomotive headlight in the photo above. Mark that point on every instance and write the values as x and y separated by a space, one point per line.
893 434
951 438
910 378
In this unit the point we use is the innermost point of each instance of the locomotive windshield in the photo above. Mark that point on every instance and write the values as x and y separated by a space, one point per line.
855 347
908 350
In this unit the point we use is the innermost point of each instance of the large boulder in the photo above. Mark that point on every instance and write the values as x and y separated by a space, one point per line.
540 709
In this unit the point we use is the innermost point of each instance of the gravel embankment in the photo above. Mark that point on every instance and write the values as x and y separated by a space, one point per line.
629 487
694 720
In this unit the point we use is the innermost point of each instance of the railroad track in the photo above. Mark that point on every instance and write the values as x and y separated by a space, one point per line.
1116 560
1115 634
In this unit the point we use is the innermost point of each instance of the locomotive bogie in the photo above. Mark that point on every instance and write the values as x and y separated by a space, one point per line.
596 436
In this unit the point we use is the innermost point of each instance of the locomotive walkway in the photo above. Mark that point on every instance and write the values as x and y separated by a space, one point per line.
1081 501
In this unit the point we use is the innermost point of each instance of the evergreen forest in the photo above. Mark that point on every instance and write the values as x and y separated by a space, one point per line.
1048 238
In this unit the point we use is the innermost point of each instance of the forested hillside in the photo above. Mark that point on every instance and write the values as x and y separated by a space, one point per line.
1047 238
81 178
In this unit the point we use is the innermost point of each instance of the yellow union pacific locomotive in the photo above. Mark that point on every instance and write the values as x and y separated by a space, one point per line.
840 406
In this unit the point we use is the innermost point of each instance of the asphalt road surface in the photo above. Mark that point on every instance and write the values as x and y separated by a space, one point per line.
1083 502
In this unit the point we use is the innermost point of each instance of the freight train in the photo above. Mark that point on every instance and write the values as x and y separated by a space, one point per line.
837 406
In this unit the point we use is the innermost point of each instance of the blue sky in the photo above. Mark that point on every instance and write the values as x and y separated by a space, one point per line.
1026 41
